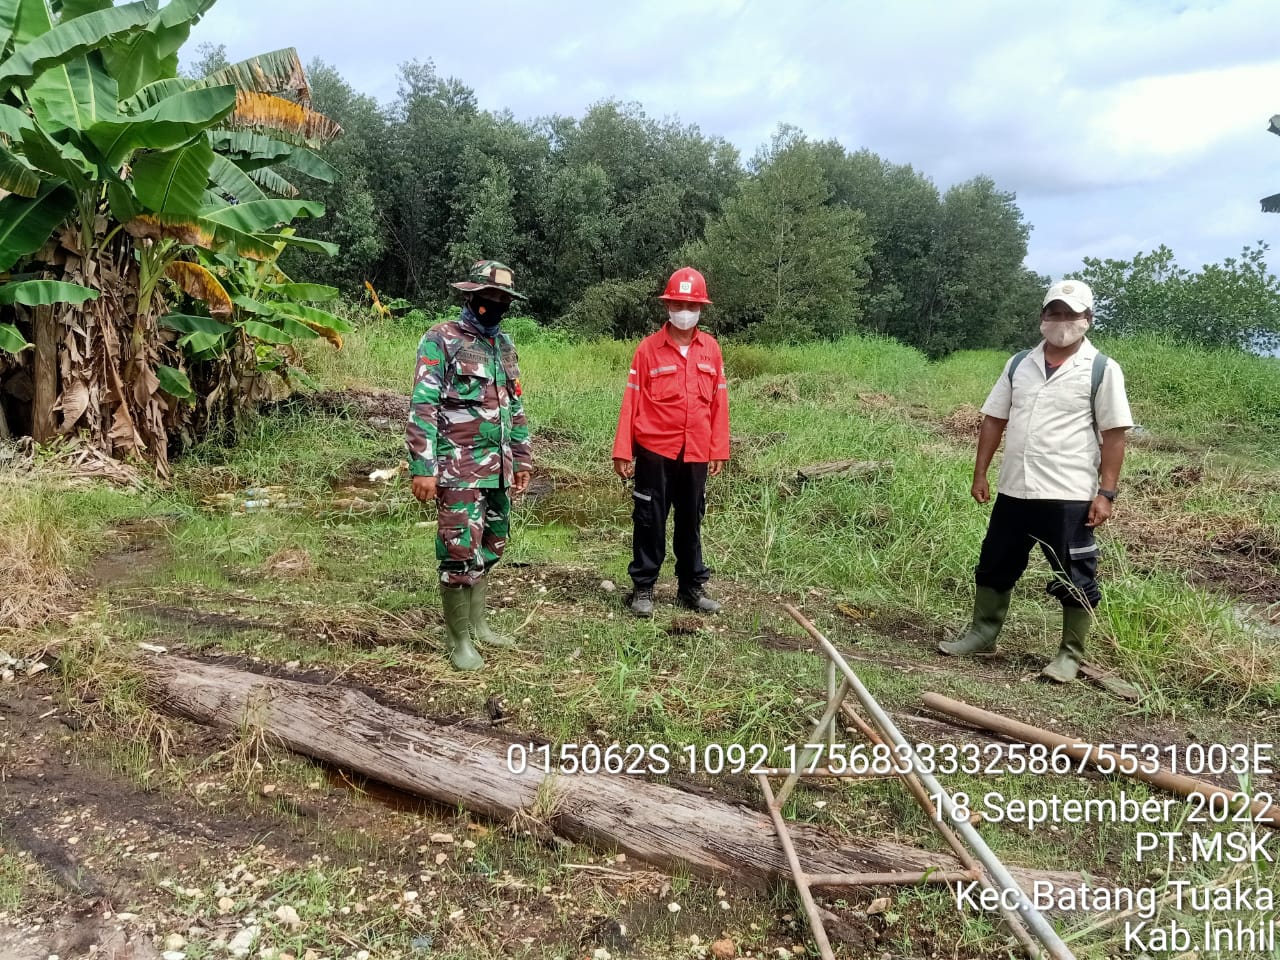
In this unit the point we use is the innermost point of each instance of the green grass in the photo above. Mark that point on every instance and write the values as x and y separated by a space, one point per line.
895 551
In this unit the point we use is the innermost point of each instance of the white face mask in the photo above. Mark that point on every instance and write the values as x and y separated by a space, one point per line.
1063 333
683 319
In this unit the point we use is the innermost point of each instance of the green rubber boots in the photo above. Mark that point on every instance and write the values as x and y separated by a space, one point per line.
480 628
456 602
989 610
1075 628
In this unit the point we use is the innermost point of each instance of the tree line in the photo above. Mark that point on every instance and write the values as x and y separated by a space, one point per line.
806 239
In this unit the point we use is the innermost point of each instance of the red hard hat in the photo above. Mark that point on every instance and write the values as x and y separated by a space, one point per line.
686 284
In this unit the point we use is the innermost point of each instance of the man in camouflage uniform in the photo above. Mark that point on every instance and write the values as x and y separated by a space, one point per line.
469 450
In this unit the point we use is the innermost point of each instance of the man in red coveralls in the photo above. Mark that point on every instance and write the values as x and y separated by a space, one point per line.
673 433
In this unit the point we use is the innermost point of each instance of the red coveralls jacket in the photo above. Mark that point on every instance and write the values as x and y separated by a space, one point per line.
674 403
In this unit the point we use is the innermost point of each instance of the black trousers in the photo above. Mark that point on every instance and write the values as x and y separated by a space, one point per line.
660 486
1058 526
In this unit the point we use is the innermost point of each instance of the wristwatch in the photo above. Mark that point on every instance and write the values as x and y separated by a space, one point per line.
1109 494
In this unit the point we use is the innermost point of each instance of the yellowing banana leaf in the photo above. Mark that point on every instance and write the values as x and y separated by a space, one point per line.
326 324
11 340
42 293
26 223
279 71
66 41
199 284
262 110
173 181
197 232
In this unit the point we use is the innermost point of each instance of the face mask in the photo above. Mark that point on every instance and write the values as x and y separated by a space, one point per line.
1063 333
683 319
488 312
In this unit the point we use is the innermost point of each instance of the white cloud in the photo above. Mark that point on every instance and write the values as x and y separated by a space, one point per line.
1120 125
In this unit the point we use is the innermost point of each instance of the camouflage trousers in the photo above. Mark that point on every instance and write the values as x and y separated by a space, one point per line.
471 532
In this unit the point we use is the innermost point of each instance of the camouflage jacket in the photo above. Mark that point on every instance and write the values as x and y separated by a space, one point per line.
466 420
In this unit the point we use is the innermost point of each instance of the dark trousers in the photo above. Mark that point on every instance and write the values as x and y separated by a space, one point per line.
1058 526
660 486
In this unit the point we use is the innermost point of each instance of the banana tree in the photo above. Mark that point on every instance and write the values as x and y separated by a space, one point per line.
120 175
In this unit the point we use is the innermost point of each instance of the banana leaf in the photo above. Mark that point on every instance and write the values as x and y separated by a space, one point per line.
168 124
11 339
153 93
152 54
269 179
279 72
250 149
173 181
258 216
265 332
284 119
233 181
42 293
174 382
26 223
304 161
77 94
66 41
16 176
315 292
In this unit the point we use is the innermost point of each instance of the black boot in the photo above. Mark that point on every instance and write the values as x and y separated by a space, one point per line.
641 602
695 598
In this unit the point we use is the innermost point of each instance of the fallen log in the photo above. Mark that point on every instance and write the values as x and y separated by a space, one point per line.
661 825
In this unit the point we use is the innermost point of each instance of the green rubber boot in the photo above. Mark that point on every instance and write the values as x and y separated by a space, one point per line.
1075 628
989 610
480 628
457 627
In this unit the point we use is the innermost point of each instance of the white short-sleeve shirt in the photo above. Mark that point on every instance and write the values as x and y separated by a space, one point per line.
1051 448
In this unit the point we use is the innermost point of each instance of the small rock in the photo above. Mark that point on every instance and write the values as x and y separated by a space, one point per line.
441 858
242 942
410 896
608 586
879 905
175 941
600 953
724 904
724 950
226 905
173 955
293 664
288 916
673 907
441 838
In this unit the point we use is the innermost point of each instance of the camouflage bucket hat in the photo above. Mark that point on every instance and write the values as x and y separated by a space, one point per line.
490 275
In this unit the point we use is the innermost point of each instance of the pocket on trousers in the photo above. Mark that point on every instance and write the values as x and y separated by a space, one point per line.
645 508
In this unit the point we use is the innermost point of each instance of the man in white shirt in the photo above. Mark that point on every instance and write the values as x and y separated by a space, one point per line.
1066 413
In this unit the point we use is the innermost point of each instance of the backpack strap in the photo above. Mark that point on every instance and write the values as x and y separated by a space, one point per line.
1095 381
1013 365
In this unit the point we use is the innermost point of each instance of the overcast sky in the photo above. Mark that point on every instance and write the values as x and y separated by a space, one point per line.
1119 124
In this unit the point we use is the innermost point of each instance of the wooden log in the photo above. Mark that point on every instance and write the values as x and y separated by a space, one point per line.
844 468
45 374
662 825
